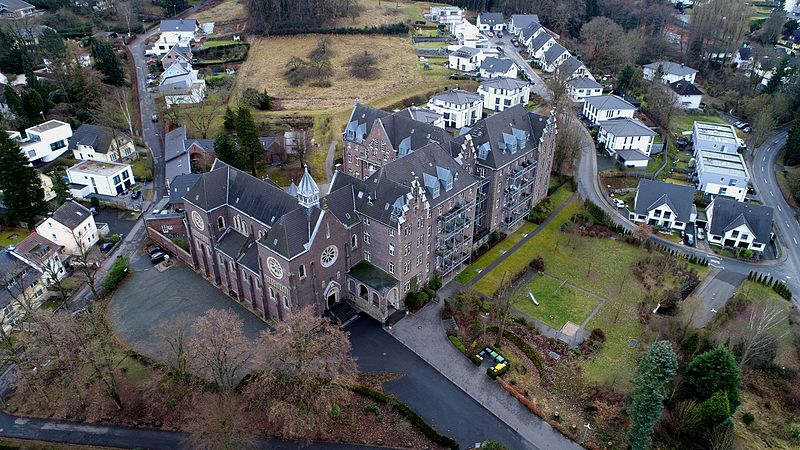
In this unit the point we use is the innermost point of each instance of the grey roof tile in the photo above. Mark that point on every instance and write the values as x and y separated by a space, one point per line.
728 214
489 132
650 194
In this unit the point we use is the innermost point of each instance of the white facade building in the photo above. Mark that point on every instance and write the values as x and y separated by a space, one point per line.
459 108
100 143
664 205
95 177
44 142
670 72
624 137
607 107
466 59
739 225
498 68
499 94
174 32
581 88
71 226
181 85
489 21
519 22
686 94
446 14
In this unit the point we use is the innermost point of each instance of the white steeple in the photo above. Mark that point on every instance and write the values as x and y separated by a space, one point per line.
292 190
307 191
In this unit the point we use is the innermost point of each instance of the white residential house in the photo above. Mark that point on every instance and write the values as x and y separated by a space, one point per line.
498 68
71 226
571 68
490 21
466 59
174 32
553 57
581 88
180 84
738 224
96 177
446 14
468 35
44 142
670 72
743 59
663 205
47 186
715 137
686 94
519 22
424 115
499 94
459 108
724 174
16 9
100 143
537 41
628 140
606 107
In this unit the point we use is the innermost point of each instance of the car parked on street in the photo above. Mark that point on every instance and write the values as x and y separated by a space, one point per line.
619 203
153 249
136 194
688 238
701 234
158 257
105 247
154 118
490 33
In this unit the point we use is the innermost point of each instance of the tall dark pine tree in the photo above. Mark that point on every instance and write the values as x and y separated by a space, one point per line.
225 149
793 144
776 79
23 195
250 149
107 62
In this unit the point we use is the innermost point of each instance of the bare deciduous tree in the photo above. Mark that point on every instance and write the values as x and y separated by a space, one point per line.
219 423
97 350
87 263
643 232
761 331
571 137
127 10
201 115
661 103
220 348
175 333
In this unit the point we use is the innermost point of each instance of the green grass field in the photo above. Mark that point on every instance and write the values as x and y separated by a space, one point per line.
491 256
683 123
12 236
557 305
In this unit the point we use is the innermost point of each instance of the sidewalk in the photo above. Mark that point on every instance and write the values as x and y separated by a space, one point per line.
424 334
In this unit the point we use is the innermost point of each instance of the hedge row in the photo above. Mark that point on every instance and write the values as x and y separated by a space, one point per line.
409 414
457 342
777 285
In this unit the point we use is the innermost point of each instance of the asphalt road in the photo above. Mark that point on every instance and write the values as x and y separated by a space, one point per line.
440 402
513 53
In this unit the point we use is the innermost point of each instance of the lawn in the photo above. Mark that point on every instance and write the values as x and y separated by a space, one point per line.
383 12
557 304
685 122
213 44
143 167
225 12
489 257
12 236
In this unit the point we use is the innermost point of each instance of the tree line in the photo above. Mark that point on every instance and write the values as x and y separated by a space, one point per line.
272 16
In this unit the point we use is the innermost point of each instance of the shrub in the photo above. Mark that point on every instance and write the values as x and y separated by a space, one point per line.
117 273
409 414
537 264
713 371
94 201
457 342
495 236
485 306
598 335
416 299
524 322
715 409
527 349
336 410
258 100
364 66
493 445
748 418
435 282
114 238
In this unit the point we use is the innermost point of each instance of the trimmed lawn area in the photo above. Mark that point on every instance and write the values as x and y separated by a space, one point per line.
685 122
491 256
12 236
143 167
557 305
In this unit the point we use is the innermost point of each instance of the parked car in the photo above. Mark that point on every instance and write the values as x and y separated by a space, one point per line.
154 118
158 257
93 210
106 246
689 239
515 43
701 234
619 203
747 129
136 194
500 50
152 76
490 33
500 34
738 124
153 249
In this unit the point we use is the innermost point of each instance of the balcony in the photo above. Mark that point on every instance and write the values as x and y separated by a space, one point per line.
455 220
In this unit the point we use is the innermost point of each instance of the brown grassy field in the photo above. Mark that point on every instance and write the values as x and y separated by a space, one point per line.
225 12
268 58
380 12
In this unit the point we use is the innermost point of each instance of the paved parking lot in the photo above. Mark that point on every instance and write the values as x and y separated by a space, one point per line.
119 221
149 298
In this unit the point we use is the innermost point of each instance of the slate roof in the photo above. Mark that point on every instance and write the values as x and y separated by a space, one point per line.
505 83
651 194
493 132
71 214
529 31
250 258
223 184
539 41
497 65
745 53
342 203
584 83
683 87
37 248
606 102
361 121
423 115
467 52
520 21
15 5
178 25
457 96
407 135
13 267
569 66
180 185
232 243
491 18
728 214
671 68
553 53
622 127
372 276
290 234
95 136
632 155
